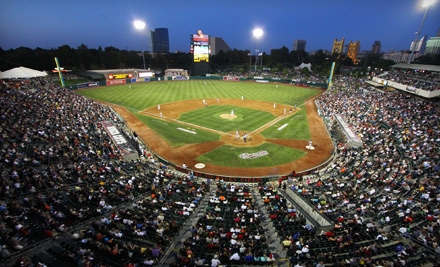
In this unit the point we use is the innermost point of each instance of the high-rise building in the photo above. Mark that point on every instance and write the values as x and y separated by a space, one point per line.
433 46
160 40
338 46
375 48
217 44
353 50
418 47
397 56
299 45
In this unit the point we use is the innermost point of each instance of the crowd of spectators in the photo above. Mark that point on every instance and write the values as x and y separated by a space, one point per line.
228 232
420 79
61 170
294 75
390 185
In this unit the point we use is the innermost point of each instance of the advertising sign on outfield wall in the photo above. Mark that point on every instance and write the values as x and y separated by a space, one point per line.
113 82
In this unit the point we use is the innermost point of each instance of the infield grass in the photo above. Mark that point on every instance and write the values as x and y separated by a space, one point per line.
210 117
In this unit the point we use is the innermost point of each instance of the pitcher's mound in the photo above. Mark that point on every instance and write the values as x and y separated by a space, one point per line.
228 116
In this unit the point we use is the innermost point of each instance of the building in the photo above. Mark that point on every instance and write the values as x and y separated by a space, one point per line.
338 46
363 54
397 56
299 45
433 45
418 47
217 44
375 48
160 40
353 50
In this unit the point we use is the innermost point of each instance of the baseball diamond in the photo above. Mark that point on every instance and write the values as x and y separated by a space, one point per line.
186 114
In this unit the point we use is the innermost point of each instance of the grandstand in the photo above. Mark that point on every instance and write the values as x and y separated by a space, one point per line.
421 80
69 198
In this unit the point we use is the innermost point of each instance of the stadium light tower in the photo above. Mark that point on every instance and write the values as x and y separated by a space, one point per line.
257 34
426 4
140 26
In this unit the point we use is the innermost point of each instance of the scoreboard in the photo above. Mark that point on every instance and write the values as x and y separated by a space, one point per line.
200 47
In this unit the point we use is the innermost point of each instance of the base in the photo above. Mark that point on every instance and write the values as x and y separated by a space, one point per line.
200 166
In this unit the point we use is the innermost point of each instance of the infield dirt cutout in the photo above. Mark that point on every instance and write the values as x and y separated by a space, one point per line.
188 153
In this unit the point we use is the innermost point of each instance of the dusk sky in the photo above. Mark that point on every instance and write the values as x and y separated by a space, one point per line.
49 24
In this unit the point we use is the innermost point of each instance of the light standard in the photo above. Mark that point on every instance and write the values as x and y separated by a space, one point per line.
426 4
250 61
257 34
256 59
140 25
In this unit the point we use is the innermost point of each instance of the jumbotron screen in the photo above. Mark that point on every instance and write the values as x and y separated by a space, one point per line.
200 47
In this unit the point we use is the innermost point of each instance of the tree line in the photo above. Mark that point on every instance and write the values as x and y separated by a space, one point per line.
83 58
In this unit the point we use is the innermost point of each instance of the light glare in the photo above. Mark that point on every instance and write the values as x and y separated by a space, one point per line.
258 33
139 24
427 3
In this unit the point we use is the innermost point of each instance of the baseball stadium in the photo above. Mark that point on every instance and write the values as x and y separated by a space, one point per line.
220 134
225 170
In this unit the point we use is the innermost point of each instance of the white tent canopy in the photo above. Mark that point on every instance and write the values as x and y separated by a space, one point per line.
21 73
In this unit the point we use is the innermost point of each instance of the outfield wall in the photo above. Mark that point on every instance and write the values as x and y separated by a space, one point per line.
301 83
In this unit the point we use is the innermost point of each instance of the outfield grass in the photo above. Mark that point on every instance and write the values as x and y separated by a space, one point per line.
229 156
145 95
247 119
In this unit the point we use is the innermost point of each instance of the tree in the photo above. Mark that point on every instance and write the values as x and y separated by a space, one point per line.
84 57
319 58
346 61
305 72
68 56
279 56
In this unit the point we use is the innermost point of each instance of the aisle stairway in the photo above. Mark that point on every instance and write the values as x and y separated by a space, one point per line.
273 241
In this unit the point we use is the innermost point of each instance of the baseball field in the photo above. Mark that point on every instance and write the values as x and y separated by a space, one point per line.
243 129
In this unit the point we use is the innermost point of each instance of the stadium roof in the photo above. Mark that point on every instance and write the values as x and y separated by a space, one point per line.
434 68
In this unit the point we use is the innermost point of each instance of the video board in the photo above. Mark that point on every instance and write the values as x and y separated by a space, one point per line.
120 76
200 47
